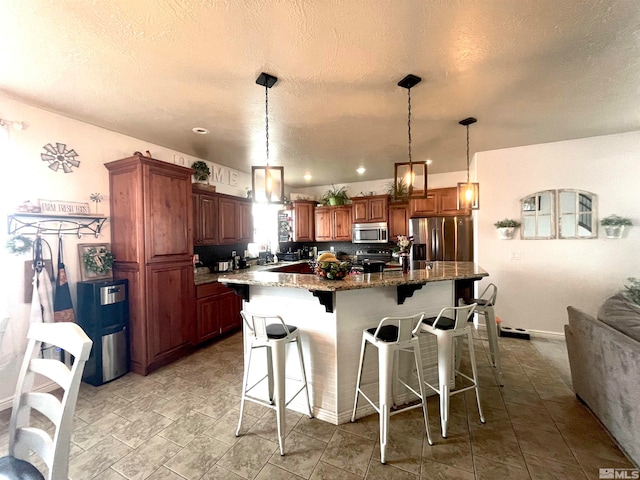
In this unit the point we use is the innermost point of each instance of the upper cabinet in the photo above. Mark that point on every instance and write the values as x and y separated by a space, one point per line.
439 201
205 216
398 220
370 209
333 223
235 224
220 219
302 221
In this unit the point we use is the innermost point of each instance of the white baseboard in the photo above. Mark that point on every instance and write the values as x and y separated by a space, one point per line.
47 387
537 333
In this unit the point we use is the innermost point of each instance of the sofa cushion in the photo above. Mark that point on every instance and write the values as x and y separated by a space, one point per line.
621 314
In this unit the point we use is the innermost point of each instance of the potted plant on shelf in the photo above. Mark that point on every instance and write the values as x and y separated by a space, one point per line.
335 196
614 225
202 171
506 228
398 191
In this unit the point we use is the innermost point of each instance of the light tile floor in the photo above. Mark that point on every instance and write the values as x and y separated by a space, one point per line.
179 423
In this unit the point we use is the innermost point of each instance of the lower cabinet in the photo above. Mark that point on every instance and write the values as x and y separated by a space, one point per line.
218 311
170 333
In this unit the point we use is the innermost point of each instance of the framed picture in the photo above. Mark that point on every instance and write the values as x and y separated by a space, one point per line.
96 261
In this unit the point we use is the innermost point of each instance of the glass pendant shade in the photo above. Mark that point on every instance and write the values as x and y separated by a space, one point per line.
412 178
469 196
468 192
267 184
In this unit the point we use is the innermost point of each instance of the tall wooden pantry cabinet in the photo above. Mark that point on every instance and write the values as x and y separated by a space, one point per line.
152 241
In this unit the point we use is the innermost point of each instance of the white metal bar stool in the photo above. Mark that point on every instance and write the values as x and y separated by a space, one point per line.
448 326
391 336
270 332
485 307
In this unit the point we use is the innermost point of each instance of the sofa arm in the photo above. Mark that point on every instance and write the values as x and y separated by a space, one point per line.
605 370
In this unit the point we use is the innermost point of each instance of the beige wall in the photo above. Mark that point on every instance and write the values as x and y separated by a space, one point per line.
26 177
552 274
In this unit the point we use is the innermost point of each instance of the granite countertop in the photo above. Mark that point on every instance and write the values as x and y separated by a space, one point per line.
440 271
203 275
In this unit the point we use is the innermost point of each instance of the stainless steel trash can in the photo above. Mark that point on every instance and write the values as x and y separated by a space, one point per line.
103 313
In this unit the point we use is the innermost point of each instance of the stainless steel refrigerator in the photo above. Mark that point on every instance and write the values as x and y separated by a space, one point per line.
441 238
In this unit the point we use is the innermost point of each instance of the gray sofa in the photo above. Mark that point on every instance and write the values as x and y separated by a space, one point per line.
604 355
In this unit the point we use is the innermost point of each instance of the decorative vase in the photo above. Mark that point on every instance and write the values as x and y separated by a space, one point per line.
613 231
404 261
506 233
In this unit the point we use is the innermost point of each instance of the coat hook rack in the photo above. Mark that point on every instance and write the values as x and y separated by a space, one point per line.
39 224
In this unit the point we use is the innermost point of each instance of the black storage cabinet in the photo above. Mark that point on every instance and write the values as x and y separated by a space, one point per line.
103 313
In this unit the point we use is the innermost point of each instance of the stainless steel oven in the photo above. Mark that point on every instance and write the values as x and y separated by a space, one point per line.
370 233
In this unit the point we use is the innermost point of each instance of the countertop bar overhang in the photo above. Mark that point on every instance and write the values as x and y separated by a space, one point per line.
405 284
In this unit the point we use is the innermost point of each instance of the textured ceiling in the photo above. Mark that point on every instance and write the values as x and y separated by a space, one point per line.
531 71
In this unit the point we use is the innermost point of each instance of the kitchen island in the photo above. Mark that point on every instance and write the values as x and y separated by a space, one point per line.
331 315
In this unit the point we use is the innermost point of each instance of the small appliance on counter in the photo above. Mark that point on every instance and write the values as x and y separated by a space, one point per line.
221 266
289 256
264 258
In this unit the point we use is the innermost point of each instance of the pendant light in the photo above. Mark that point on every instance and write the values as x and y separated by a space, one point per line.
412 175
267 182
469 192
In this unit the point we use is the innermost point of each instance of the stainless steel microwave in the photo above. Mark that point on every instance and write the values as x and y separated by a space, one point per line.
370 233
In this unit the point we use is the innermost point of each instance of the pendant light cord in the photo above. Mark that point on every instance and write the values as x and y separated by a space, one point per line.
266 113
409 125
467 154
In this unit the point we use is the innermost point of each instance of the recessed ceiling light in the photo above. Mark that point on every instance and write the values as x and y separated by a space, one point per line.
428 162
200 130
361 170
307 176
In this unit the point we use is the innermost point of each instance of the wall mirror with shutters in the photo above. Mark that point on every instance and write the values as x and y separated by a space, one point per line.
577 214
538 216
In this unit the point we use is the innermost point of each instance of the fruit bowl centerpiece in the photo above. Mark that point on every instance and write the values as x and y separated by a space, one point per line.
328 266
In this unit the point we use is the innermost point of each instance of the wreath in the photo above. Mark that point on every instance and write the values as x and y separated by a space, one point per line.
98 260
19 244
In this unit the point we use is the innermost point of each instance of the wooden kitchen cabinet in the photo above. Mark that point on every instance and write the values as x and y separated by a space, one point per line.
152 241
398 220
303 221
235 222
245 232
205 216
218 311
333 223
370 209
169 333
439 201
